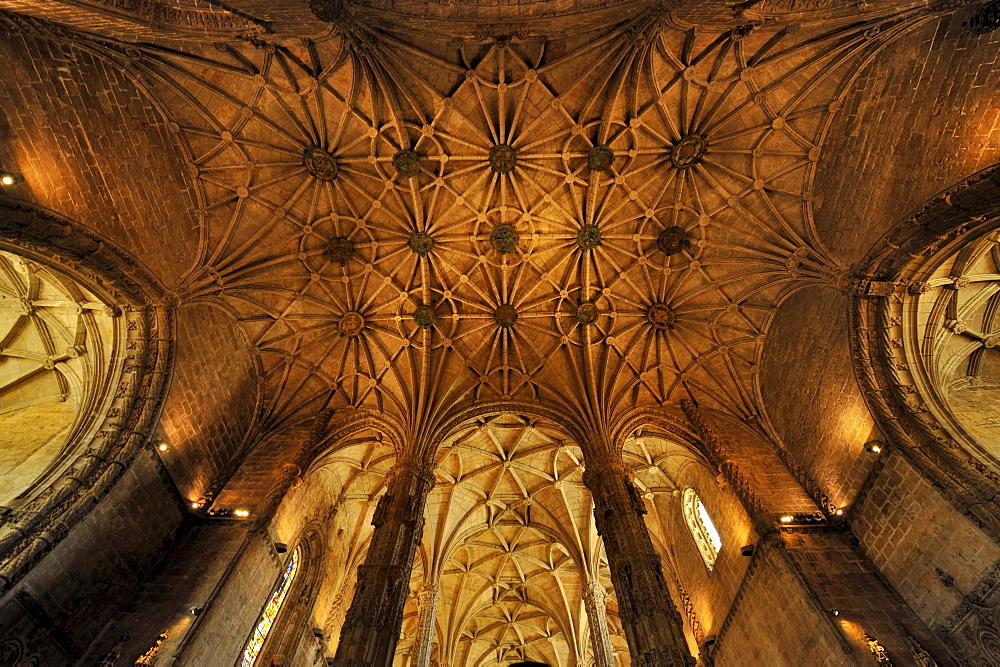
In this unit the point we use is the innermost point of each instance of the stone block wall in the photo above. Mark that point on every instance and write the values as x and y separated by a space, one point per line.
935 557
74 593
772 622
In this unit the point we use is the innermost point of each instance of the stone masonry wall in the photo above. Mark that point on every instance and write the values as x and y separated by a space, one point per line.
930 553
74 592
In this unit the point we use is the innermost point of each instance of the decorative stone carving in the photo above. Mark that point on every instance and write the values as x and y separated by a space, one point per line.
503 158
652 624
986 19
673 240
504 238
661 316
688 151
589 237
505 315
371 629
586 313
424 316
600 158
320 164
340 250
351 324
407 163
597 619
428 600
420 243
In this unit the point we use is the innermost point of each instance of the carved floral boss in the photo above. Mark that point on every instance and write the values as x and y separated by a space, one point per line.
504 237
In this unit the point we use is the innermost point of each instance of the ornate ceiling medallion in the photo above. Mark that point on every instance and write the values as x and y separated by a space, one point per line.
424 316
505 315
503 158
586 313
589 237
420 243
351 323
673 240
504 238
407 163
688 151
340 250
320 164
600 158
661 316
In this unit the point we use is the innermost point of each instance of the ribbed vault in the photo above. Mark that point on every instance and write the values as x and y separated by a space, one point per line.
953 334
56 345
511 546
654 204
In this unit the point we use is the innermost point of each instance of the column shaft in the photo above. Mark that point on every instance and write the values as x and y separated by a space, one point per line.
371 629
651 622
428 600
597 619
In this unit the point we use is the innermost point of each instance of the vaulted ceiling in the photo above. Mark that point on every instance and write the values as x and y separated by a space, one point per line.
599 221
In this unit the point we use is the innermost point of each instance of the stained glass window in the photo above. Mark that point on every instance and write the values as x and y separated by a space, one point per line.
271 609
702 529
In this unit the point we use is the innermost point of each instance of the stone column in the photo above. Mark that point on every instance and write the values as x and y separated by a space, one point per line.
371 628
427 600
597 619
651 622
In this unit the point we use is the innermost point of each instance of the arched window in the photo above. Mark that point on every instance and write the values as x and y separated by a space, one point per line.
270 612
701 527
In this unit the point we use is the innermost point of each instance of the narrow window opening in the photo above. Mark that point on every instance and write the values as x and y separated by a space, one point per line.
270 612
702 529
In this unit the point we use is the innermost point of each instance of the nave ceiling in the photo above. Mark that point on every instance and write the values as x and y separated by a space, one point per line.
598 222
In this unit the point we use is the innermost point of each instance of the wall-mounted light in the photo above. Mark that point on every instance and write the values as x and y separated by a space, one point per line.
162 447
709 640
195 505
787 518
242 513
874 446
839 511
747 550
834 611
8 178
281 547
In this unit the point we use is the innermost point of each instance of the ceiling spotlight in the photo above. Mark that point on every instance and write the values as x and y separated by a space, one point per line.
788 518
8 178
195 505
874 446
833 611
162 447
840 511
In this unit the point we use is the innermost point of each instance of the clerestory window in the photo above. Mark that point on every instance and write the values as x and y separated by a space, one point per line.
702 529
270 612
